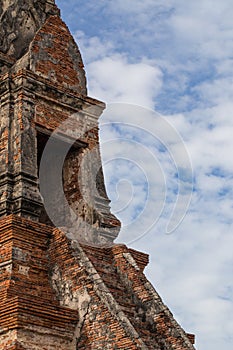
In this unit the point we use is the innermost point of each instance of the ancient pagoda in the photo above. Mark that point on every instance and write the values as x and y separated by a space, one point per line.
64 284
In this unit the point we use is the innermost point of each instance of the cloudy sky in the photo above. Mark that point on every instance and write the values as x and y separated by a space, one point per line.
172 61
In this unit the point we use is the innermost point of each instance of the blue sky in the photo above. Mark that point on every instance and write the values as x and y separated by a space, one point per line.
176 59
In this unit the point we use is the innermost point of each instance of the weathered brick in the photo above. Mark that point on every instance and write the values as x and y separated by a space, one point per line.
69 287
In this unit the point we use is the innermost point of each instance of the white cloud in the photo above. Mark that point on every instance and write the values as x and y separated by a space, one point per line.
93 48
112 76
115 79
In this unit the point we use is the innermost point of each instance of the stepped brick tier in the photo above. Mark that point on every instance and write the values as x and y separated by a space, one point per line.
64 283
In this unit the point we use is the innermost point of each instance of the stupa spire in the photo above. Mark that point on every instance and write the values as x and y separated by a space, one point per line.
40 63
20 20
64 284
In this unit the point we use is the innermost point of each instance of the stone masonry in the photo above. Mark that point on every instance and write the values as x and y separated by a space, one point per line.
64 284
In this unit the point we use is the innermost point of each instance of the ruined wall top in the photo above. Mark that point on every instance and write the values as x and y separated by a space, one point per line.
34 37
19 21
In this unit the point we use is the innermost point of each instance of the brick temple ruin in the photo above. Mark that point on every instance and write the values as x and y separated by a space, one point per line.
59 290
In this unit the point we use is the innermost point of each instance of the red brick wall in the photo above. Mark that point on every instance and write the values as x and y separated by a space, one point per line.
55 56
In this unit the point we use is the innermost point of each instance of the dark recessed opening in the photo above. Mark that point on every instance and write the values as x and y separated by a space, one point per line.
41 143
69 171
